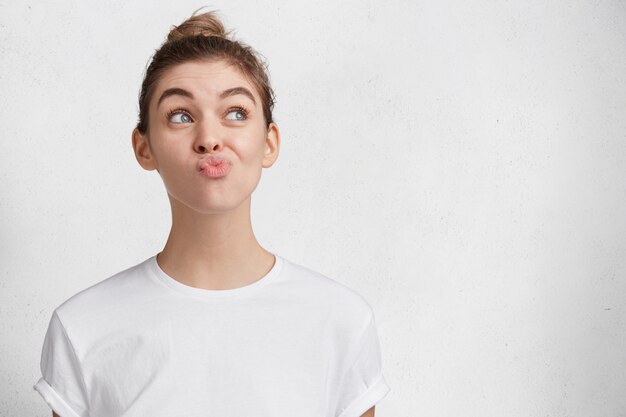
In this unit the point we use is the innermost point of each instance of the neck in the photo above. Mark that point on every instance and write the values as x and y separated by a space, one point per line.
213 251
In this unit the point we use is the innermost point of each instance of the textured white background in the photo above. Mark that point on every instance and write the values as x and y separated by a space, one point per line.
462 165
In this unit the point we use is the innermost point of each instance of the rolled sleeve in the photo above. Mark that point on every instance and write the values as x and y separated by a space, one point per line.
61 385
363 385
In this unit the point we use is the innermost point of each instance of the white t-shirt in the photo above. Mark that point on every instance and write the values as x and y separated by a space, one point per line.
140 343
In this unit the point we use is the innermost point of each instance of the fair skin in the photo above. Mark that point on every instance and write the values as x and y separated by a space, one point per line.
211 244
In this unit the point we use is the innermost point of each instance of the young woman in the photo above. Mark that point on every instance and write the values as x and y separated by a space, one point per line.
214 324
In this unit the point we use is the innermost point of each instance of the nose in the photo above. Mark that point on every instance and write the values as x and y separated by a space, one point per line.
208 137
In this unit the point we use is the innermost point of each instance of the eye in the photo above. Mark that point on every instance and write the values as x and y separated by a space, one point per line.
179 116
240 113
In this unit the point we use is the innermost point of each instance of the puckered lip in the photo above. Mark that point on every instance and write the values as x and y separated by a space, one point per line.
213 161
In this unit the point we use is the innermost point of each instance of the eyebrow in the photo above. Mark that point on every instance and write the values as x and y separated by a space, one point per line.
238 90
177 91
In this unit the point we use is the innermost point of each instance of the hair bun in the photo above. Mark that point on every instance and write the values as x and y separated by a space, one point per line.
207 24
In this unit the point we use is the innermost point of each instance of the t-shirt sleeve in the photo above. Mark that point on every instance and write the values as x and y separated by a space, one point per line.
61 385
363 385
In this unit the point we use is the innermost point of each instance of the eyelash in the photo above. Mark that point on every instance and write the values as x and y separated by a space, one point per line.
184 111
172 112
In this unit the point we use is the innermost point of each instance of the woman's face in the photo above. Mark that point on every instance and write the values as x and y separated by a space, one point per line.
199 109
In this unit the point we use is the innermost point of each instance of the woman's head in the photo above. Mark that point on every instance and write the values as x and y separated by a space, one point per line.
204 99
203 38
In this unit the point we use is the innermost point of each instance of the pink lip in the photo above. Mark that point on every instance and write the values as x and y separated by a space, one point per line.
214 166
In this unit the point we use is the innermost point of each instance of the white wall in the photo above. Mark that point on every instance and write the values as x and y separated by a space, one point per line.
462 165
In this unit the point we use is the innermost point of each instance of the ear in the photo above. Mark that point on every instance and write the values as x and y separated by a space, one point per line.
143 153
272 145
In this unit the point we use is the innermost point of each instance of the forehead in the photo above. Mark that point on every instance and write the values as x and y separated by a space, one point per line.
204 79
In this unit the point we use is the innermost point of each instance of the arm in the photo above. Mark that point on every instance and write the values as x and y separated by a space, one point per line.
369 413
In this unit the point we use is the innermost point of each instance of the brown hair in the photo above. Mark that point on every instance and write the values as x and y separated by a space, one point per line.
200 38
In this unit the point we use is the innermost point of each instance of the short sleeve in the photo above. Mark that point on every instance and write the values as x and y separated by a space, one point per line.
363 384
61 385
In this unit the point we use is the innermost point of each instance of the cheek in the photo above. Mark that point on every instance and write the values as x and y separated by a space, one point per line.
247 180
164 152
250 152
252 146
174 165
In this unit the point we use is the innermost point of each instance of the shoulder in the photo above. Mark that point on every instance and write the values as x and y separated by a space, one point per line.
112 293
330 293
